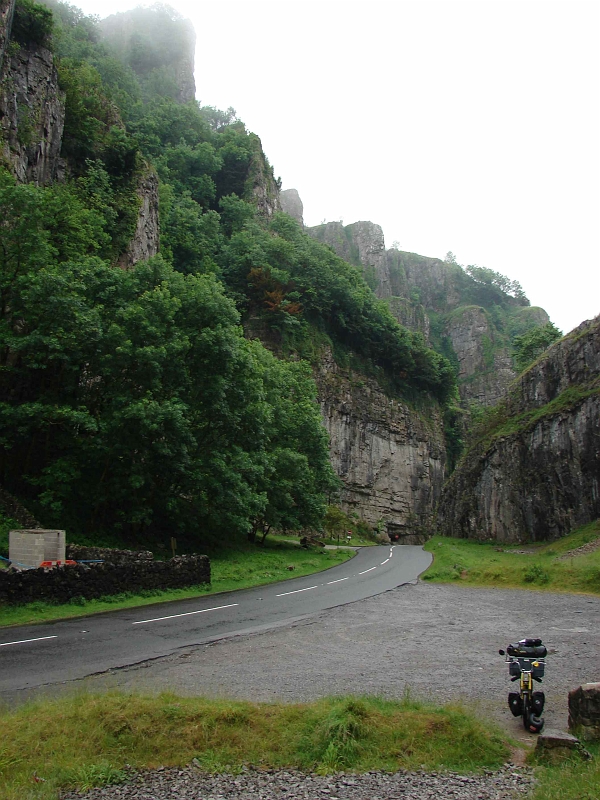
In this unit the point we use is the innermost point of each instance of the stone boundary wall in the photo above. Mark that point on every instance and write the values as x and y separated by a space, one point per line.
91 581
79 552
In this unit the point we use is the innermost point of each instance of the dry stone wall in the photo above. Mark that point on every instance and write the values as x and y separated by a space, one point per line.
91 581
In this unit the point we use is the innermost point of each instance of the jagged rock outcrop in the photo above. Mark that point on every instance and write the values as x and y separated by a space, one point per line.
32 114
292 204
261 186
534 473
389 457
418 288
484 372
7 10
362 244
146 239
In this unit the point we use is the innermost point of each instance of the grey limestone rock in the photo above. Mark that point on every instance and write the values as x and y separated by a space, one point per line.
390 459
7 8
542 480
484 373
292 204
32 115
584 711
555 746
146 239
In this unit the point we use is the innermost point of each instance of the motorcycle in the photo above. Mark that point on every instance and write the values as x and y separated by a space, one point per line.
526 664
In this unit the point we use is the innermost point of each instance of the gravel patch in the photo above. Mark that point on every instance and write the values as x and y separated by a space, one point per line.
440 642
191 784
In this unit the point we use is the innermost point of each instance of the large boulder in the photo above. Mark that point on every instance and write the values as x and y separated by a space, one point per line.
584 711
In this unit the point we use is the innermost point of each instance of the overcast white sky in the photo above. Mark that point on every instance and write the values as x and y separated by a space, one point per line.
463 126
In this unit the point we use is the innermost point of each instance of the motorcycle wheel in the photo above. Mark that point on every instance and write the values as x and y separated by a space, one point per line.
526 710
531 723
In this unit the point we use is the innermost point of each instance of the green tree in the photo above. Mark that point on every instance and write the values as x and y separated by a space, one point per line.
529 346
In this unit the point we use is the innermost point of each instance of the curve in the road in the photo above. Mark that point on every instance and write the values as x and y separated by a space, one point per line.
66 650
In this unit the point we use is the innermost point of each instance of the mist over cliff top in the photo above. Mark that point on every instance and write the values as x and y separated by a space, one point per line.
455 126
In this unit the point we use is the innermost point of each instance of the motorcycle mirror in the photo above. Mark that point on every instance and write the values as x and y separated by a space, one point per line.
502 653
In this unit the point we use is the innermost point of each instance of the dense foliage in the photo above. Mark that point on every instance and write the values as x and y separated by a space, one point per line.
130 400
530 345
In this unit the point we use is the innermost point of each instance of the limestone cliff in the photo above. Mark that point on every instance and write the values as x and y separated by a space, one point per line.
292 204
7 9
389 457
32 108
421 291
146 239
261 187
534 472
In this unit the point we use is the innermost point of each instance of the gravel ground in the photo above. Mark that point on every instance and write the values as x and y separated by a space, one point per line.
190 784
439 642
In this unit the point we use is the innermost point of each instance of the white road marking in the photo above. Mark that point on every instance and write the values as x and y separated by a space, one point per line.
367 570
384 562
338 581
296 591
26 641
187 614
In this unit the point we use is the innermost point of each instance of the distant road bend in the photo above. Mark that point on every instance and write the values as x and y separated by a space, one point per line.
57 652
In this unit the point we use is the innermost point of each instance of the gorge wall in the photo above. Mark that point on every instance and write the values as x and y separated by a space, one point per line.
32 107
534 474
390 457
422 292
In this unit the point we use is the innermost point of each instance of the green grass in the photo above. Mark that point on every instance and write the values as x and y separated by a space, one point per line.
575 779
85 740
241 568
488 564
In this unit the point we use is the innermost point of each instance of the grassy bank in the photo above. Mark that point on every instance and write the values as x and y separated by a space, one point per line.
240 568
573 780
86 740
549 566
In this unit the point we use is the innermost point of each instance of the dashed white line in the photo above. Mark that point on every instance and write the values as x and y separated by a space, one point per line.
26 641
384 562
187 614
296 591
338 580
367 570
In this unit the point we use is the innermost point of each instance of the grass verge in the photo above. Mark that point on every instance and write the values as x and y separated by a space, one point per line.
575 779
246 566
86 740
548 566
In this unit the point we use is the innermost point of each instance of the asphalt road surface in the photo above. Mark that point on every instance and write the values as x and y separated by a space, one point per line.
39 655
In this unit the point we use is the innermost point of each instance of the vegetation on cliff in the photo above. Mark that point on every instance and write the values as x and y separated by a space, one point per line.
130 401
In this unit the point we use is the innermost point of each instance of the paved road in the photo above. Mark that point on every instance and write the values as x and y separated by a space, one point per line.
39 655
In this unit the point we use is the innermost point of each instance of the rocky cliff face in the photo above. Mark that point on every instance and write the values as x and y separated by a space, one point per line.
261 187
32 114
146 239
420 289
7 9
292 204
484 372
390 459
536 473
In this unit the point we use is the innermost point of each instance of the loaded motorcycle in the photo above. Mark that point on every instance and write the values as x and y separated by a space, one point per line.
526 664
